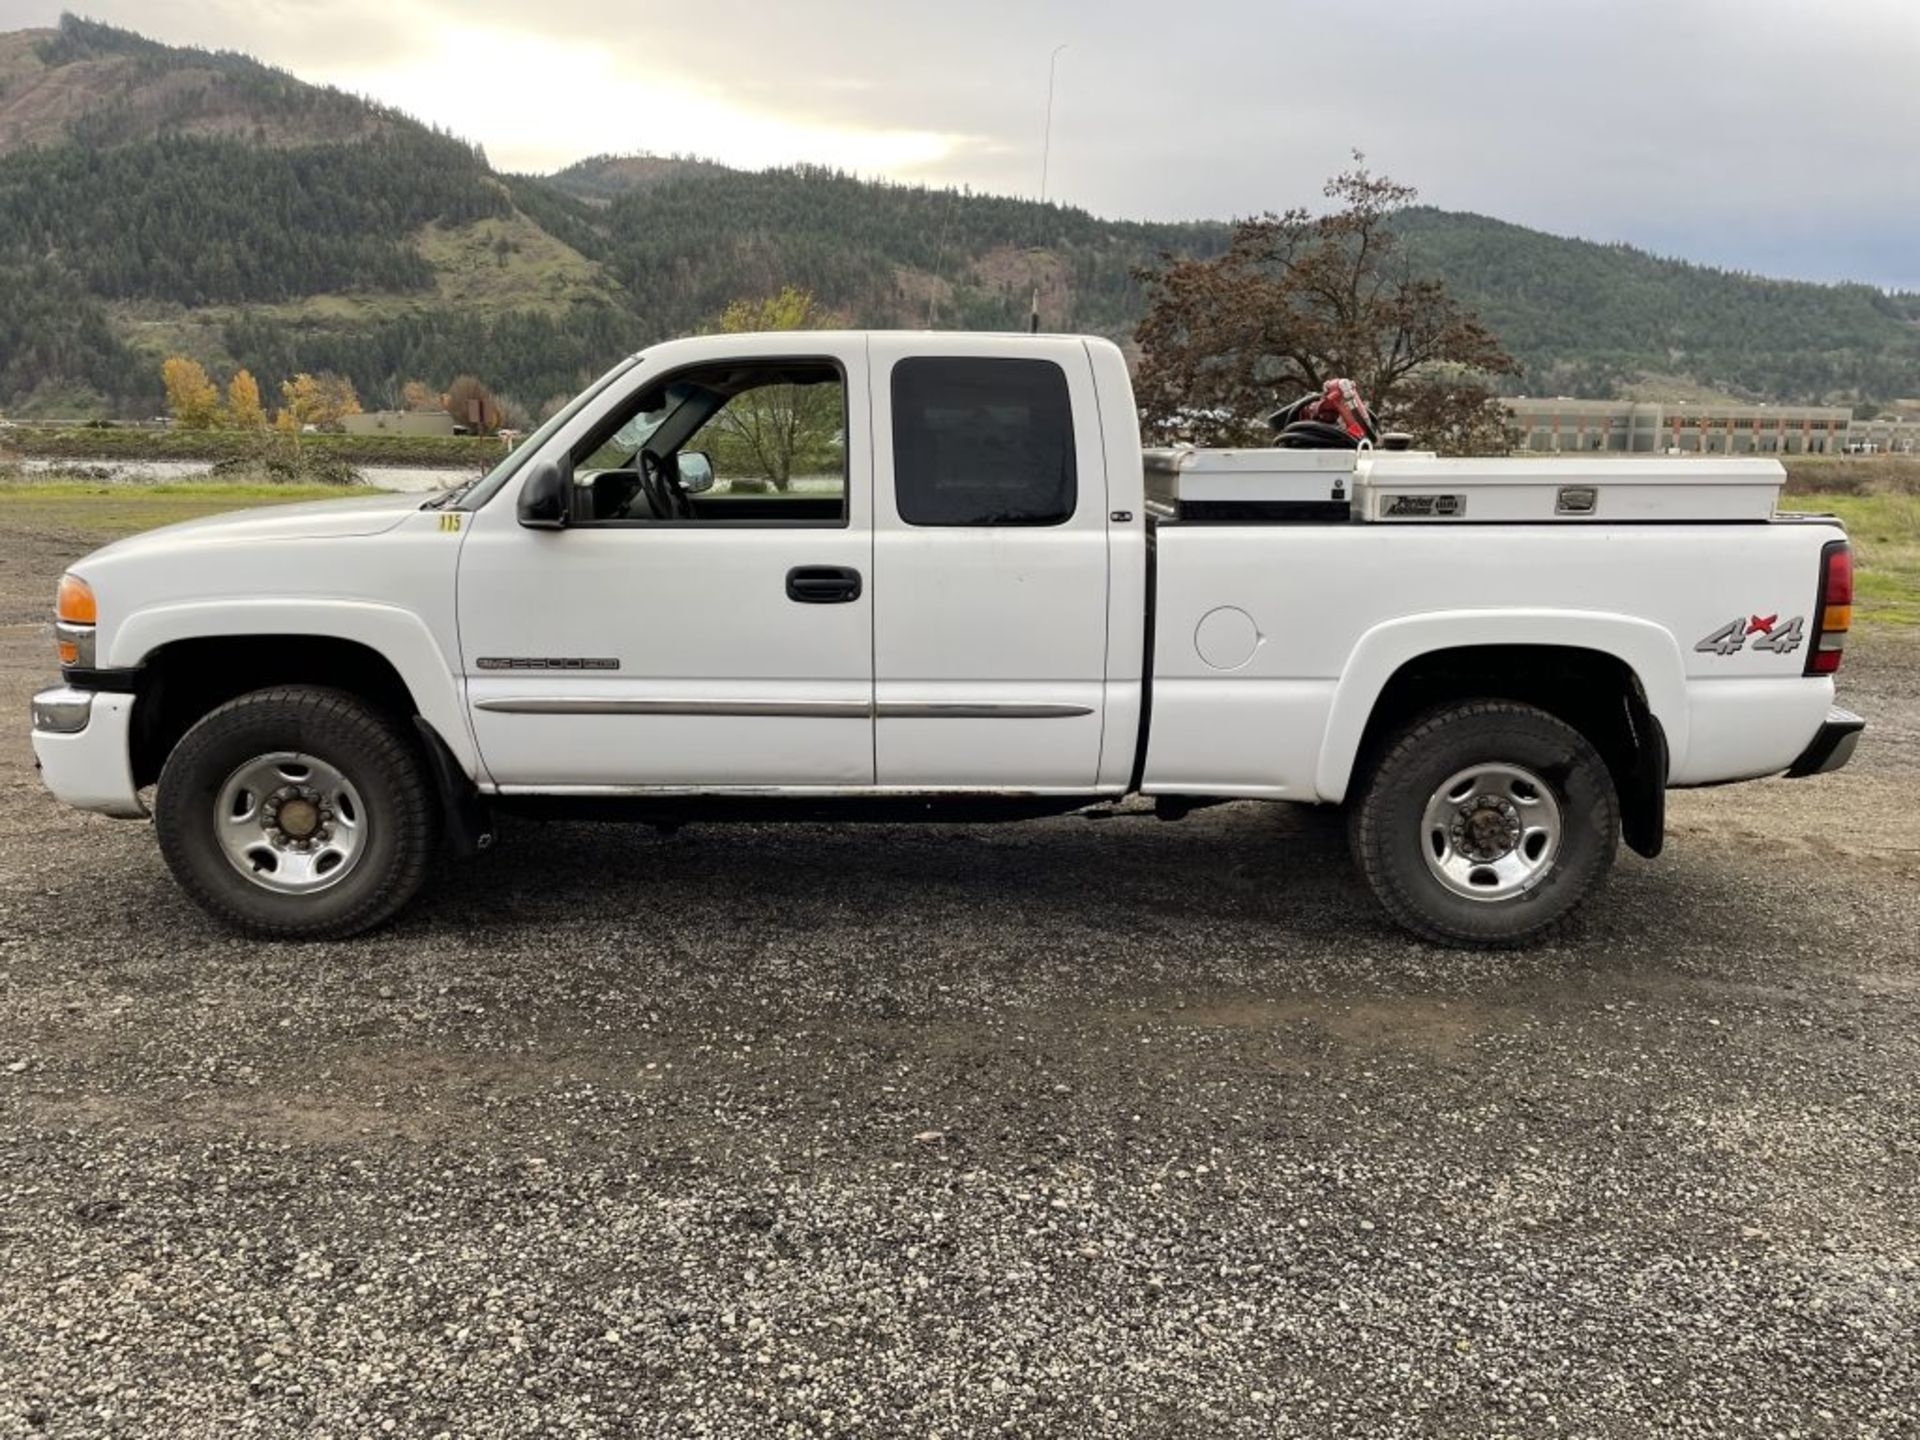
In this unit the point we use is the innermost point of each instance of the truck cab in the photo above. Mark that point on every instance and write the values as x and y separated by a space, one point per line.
886 570
876 574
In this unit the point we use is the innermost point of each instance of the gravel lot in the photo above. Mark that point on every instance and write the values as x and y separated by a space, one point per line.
1068 1128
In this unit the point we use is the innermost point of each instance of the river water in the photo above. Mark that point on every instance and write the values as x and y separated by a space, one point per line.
410 478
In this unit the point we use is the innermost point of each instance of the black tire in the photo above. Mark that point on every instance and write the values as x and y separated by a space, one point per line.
1391 838
378 757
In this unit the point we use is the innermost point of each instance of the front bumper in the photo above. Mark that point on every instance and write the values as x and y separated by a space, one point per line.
1832 745
80 738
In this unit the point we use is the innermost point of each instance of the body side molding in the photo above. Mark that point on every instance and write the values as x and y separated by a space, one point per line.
826 709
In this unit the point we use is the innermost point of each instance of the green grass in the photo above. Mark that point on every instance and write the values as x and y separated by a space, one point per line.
509 263
1885 530
109 511
1829 475
110 443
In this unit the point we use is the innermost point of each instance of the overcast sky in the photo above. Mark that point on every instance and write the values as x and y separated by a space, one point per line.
1771 135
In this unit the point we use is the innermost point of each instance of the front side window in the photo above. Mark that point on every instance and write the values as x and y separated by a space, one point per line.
982 442
475 494
755 441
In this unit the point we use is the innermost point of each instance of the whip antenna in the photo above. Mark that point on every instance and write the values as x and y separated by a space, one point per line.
940 255
1046 154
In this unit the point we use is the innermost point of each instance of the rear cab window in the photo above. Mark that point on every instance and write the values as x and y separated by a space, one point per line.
982 441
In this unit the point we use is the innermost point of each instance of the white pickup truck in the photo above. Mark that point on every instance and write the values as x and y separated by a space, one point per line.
933 575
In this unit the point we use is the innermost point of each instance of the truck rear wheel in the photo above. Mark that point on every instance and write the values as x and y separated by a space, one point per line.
1485 824
296 813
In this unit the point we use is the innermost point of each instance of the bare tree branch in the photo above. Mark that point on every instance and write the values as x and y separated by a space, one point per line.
1299 298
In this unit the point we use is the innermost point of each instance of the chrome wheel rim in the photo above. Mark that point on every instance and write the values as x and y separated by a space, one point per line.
290 823
1491 832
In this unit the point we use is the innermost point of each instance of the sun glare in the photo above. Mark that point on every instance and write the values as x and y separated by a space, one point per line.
538 104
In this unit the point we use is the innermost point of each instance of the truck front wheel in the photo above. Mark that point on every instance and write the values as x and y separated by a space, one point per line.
296 813
1485 823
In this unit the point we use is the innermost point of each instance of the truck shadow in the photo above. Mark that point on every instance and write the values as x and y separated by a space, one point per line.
1247 905
1243 902
1250 882
1250 861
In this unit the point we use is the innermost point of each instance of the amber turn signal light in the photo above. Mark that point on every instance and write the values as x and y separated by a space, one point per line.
74 605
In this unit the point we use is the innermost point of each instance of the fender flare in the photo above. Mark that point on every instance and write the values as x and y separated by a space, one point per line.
399 635
1647 649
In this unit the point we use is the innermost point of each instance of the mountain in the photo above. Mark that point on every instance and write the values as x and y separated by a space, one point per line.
94 85
1591 319
683 245
600 179
155 199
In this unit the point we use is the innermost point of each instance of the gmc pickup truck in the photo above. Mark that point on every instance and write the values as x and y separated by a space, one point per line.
934 575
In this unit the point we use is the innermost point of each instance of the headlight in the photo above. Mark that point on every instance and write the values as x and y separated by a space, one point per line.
75 602
75 618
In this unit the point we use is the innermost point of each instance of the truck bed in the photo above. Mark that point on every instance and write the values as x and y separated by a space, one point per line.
1272 639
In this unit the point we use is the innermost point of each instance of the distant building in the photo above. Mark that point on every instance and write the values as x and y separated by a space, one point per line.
1630 427
1890 435
399 422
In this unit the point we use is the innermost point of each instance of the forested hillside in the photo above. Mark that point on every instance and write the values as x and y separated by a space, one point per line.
207 222
684 245
94 85
1584 318
600 179
157 200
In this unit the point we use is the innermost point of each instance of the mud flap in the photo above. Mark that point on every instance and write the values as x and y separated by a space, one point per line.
1643 784
465 818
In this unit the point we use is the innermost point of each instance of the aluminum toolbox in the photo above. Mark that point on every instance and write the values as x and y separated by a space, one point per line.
1420 488
1251 484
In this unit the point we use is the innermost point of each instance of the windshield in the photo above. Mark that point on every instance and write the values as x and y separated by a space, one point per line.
475 493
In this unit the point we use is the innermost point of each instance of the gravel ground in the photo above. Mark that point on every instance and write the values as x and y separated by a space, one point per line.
1067 1128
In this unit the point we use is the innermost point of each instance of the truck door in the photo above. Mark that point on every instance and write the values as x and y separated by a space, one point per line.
704 619
990 565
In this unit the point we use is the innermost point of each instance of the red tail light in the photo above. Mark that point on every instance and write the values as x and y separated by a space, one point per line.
1833 613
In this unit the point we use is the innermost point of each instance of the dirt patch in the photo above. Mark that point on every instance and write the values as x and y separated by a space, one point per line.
276 1118
1426 1024
1017 273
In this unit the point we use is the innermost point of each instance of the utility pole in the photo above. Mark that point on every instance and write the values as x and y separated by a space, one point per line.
1046 155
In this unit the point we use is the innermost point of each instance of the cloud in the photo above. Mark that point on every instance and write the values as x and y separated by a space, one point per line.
1717 128
539 103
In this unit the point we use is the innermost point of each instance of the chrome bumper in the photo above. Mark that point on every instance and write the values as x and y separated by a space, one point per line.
1832 745
81 741
64 711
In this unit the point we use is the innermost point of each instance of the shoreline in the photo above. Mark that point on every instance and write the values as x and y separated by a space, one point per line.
110 445
142 474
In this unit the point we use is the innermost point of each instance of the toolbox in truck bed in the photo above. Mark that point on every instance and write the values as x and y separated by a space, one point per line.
1415 487
1254 485
1250 485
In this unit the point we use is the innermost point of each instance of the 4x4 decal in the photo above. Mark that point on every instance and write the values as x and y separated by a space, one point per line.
1780 636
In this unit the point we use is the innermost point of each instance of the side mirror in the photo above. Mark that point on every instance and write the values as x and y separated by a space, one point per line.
695 469
543 499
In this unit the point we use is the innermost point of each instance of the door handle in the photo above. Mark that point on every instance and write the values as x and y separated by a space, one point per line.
823 584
